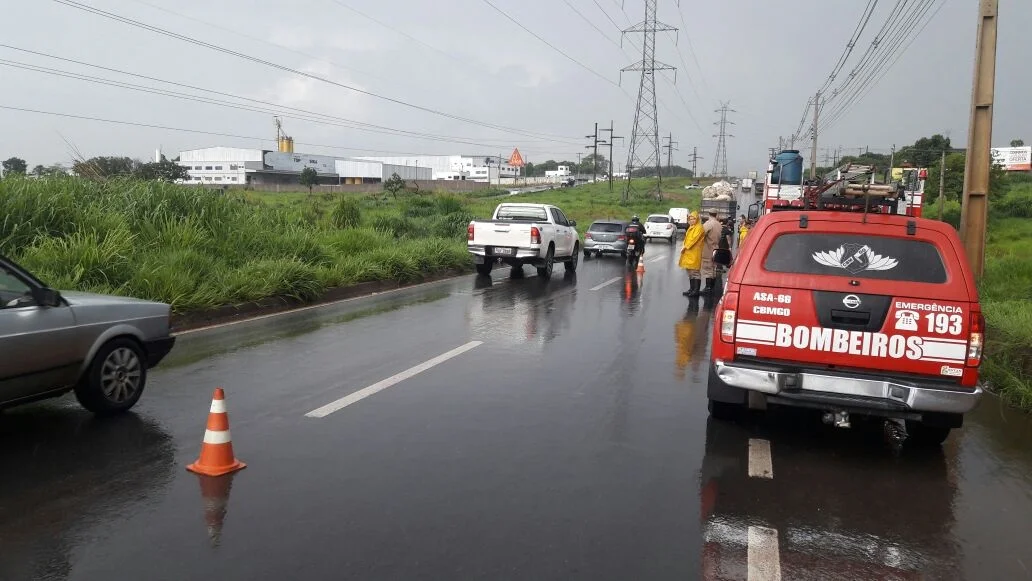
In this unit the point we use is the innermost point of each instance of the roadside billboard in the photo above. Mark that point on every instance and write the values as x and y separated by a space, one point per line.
1013 158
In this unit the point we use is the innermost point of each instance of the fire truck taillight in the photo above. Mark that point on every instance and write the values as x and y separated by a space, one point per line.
728 317
976 339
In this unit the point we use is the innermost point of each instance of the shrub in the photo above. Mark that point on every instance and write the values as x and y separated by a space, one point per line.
347 214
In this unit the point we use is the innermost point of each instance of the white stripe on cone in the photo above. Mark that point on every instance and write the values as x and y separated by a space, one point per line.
214 437
218 406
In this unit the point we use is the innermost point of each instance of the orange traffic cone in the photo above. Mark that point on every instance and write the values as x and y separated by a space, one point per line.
217 448
641 265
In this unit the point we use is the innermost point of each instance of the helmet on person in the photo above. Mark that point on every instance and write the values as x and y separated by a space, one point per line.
635 219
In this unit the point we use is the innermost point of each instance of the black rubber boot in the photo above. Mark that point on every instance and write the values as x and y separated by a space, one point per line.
693 287
710 286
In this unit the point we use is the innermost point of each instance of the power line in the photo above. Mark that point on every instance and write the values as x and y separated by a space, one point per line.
880 70
590 23
362 126
257 39
213 133
691 50
550 45
305 116
865 18
217 48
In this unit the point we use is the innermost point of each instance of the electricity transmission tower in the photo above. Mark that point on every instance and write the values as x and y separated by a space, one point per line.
720 160
644 146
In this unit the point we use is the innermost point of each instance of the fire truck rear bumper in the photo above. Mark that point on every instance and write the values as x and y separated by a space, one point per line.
822 389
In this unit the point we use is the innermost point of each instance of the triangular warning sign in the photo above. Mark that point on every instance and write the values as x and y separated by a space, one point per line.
516 160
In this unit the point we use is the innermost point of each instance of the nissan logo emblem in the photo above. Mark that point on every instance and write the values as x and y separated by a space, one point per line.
851 301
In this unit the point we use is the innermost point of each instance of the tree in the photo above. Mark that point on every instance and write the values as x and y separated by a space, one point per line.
106 167
924 152
393 185
15 165
39 171
163 171
309 177
1017 143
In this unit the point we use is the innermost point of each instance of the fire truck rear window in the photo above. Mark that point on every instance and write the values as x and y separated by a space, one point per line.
855 256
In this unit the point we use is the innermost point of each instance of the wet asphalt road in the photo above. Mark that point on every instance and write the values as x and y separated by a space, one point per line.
572 443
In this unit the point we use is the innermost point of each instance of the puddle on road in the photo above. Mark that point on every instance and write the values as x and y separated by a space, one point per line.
245 335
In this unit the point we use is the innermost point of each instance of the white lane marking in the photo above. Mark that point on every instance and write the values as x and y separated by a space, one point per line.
363 393
764 556
607 283
656 259
760 464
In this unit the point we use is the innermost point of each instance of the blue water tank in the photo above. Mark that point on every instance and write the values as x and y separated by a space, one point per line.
788 168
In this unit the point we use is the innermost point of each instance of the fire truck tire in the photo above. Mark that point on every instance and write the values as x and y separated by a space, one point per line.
725 401
924 435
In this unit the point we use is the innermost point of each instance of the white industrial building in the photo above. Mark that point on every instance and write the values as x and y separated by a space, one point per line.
477 168
239 166
561 171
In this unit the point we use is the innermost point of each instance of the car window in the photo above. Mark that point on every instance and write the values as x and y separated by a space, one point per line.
559 218
13 291
521 213
606 227
659 219
855 255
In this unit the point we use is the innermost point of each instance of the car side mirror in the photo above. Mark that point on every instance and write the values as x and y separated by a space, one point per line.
754 212
573 223
46 297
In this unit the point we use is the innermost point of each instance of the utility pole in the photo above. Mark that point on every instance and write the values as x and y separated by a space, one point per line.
892 164
942 185
644 148
695 159
974 210
612 138
813 132
669 151
594 157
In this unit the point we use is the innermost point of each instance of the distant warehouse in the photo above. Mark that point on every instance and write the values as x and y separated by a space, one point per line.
238 166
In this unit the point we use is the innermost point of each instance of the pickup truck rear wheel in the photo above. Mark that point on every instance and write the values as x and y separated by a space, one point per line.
545 271
571 265
923 435
115 378
484 269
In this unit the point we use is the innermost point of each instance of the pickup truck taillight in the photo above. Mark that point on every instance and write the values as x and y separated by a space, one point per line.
469 232
535 235
976 339
728 315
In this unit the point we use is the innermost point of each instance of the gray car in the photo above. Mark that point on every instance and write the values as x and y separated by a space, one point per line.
605 237
98 346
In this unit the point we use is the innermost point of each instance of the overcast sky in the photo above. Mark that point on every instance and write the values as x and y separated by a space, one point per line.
465 59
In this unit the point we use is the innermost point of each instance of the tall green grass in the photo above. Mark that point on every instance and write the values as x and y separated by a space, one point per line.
196 248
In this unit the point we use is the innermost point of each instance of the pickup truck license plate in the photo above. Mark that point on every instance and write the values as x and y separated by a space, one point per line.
504 251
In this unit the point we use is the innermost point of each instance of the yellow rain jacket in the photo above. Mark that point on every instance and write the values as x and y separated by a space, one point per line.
691 252
742 233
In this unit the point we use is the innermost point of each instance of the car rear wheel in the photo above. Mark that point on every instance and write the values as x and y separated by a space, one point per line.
115 378
545 271
587 254
924 435
485 269
571 265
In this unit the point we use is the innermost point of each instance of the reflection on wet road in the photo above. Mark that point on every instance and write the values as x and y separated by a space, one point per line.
568 438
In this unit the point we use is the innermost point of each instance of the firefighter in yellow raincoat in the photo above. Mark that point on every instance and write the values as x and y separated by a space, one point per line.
691 254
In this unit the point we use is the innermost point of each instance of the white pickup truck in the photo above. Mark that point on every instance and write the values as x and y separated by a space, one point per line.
519 234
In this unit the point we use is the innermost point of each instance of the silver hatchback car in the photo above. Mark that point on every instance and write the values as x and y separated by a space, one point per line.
98 346
605 237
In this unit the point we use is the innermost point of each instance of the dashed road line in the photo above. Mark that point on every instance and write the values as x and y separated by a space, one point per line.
363 393
607 283
760 463
657 259
764 557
